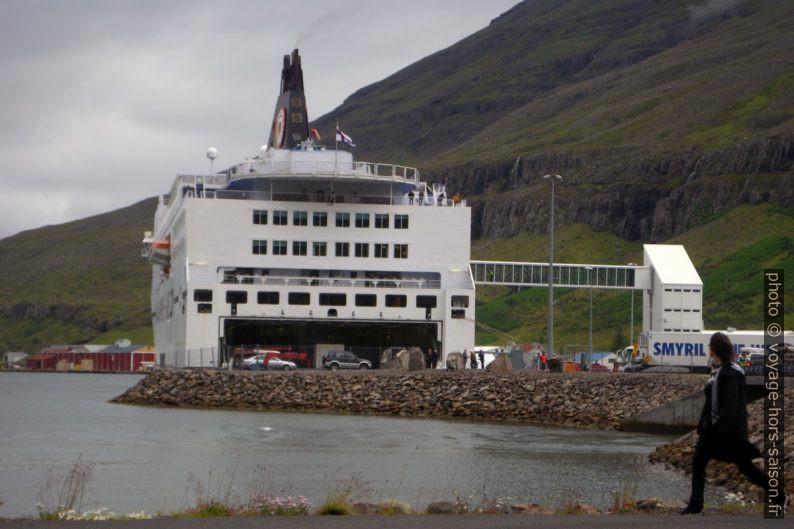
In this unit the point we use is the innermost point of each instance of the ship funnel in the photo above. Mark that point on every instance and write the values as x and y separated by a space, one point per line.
290 120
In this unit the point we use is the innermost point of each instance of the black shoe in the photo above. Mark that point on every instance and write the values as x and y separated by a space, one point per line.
689 509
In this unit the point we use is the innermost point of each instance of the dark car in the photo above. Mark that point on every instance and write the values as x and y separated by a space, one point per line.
334 360
754 365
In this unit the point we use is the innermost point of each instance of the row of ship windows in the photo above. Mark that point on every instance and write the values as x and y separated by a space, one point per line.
682 310
320 218
695 290
328 299
341 249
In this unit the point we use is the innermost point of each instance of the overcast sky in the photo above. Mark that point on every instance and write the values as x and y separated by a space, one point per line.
103 102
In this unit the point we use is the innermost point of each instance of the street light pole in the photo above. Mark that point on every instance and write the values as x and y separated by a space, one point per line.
590 333
550 325
631 328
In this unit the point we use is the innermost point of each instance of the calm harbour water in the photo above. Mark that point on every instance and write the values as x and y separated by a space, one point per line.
154 459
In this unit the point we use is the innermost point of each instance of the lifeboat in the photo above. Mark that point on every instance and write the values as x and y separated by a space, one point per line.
158 251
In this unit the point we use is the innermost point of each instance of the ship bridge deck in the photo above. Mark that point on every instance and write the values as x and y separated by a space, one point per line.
291 187
325 168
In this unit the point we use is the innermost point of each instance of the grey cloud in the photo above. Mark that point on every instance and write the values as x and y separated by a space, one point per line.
103 102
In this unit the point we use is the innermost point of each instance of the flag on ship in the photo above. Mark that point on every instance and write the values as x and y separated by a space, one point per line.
344 138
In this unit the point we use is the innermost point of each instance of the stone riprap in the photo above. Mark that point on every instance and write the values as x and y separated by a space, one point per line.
585 400
678 454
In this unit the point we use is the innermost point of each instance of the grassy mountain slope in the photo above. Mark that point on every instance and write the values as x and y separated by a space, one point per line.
664 103
582 75
76 281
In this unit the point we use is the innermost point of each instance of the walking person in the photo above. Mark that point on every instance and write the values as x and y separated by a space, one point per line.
481 355
543 360
473 360
465 358
722 428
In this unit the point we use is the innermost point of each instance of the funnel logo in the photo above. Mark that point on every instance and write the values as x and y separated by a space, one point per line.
278 128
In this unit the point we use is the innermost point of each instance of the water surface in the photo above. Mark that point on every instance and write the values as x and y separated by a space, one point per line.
160 459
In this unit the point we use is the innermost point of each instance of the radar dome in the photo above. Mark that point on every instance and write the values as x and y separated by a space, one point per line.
212 153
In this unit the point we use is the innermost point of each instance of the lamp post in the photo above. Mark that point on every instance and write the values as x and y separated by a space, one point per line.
631 328
590 333
550 325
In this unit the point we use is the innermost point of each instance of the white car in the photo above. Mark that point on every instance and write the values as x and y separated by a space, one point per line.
268 360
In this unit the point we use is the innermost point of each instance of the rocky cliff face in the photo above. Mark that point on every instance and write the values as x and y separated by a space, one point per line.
649 198
66 313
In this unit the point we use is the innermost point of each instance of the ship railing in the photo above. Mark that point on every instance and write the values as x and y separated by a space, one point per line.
323 197
364 170
347 282
194 185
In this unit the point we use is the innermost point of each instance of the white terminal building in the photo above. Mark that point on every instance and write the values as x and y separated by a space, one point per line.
303 249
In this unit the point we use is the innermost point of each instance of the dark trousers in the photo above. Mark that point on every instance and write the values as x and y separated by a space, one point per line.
711 447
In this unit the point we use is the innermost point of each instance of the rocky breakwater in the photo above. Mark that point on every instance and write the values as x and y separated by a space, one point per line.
678 454
585 400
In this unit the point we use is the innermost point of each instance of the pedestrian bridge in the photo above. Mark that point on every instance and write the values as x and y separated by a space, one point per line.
506 273
672 291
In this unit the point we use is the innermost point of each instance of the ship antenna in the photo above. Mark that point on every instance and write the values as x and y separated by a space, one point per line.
212 153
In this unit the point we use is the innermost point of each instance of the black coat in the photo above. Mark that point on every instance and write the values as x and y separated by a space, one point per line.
729 432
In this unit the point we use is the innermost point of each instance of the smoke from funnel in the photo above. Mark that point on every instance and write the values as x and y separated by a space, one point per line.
338 20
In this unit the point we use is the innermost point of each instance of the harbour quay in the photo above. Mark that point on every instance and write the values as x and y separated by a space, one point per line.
584 400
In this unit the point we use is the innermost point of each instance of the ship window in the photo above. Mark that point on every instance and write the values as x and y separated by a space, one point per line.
260 216
396 300
460 301
333 300
362 220
299 298
236 296
299 218
362 249
401 251
401 222
297 101
366 300
343 249
205 308
320 218
381 220
299 247
297 117
260 247
426 302
202 295
381 250
280 218
279 247
343 220
267 298
319 249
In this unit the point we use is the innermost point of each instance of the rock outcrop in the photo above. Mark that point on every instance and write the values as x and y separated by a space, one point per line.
649 199
586 400
500 364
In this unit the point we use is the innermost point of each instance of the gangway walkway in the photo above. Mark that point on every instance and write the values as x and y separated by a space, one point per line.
507 273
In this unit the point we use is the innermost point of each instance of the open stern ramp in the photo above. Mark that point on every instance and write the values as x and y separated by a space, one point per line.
506 273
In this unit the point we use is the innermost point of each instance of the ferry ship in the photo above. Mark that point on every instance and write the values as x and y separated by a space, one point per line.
303 249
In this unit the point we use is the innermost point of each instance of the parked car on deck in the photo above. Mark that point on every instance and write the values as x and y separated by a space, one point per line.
334 360
268 360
